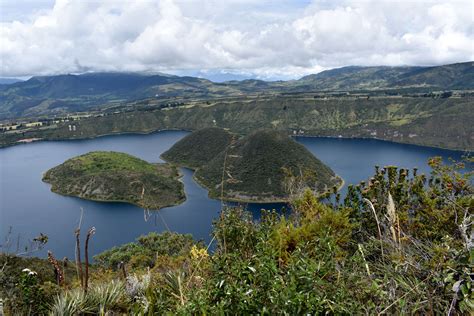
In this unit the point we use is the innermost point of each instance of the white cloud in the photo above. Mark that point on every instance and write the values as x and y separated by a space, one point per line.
269 39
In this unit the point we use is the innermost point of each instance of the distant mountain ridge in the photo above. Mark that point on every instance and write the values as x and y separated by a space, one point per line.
70 93
454 76
7 81
93 84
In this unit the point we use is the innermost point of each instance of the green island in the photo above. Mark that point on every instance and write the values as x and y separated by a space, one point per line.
402 232
253 168
199 147
117 177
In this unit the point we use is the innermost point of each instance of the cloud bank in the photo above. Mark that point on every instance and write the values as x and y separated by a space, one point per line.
266 39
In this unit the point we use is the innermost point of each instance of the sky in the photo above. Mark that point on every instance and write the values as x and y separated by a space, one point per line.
279 39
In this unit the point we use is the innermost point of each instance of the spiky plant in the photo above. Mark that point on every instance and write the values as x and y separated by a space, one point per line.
135 286
71 303
108 296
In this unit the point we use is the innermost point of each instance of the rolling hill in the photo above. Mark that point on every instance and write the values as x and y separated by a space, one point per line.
454 76
48 95
72 93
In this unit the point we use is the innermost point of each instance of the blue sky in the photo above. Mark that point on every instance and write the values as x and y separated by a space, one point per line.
264 39
21 10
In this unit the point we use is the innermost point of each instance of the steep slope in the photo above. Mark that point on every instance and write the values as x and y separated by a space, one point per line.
420 121
198 148
255 168
117 177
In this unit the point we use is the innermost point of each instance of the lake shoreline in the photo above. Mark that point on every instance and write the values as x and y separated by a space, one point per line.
150 132
24 195
83 177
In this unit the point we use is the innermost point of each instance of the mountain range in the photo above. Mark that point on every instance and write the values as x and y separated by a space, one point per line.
43 95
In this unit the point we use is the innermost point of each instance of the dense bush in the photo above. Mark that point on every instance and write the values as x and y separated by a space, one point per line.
146 250
401 243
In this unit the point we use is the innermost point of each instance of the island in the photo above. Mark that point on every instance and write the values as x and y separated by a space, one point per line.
198 148
254 168
117 177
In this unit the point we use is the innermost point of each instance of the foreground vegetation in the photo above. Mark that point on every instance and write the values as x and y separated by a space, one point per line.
117 177
400 243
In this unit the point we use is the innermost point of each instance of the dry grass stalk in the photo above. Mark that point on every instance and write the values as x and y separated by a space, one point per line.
86 254
224 171
378 223
393 220
58 272
77 233
363 257
232 142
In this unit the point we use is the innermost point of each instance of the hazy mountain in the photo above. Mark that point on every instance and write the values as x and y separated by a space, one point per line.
220 76
64 93
100 84
455 76
6 81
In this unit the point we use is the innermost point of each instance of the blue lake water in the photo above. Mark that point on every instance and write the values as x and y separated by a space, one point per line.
29 207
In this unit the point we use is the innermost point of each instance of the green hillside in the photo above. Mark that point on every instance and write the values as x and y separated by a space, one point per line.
117 177
253 168
455 76
198 148
62 94
413 120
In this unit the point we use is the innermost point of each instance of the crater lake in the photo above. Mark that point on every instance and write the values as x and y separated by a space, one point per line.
28 207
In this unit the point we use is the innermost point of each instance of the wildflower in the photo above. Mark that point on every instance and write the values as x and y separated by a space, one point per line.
198 253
